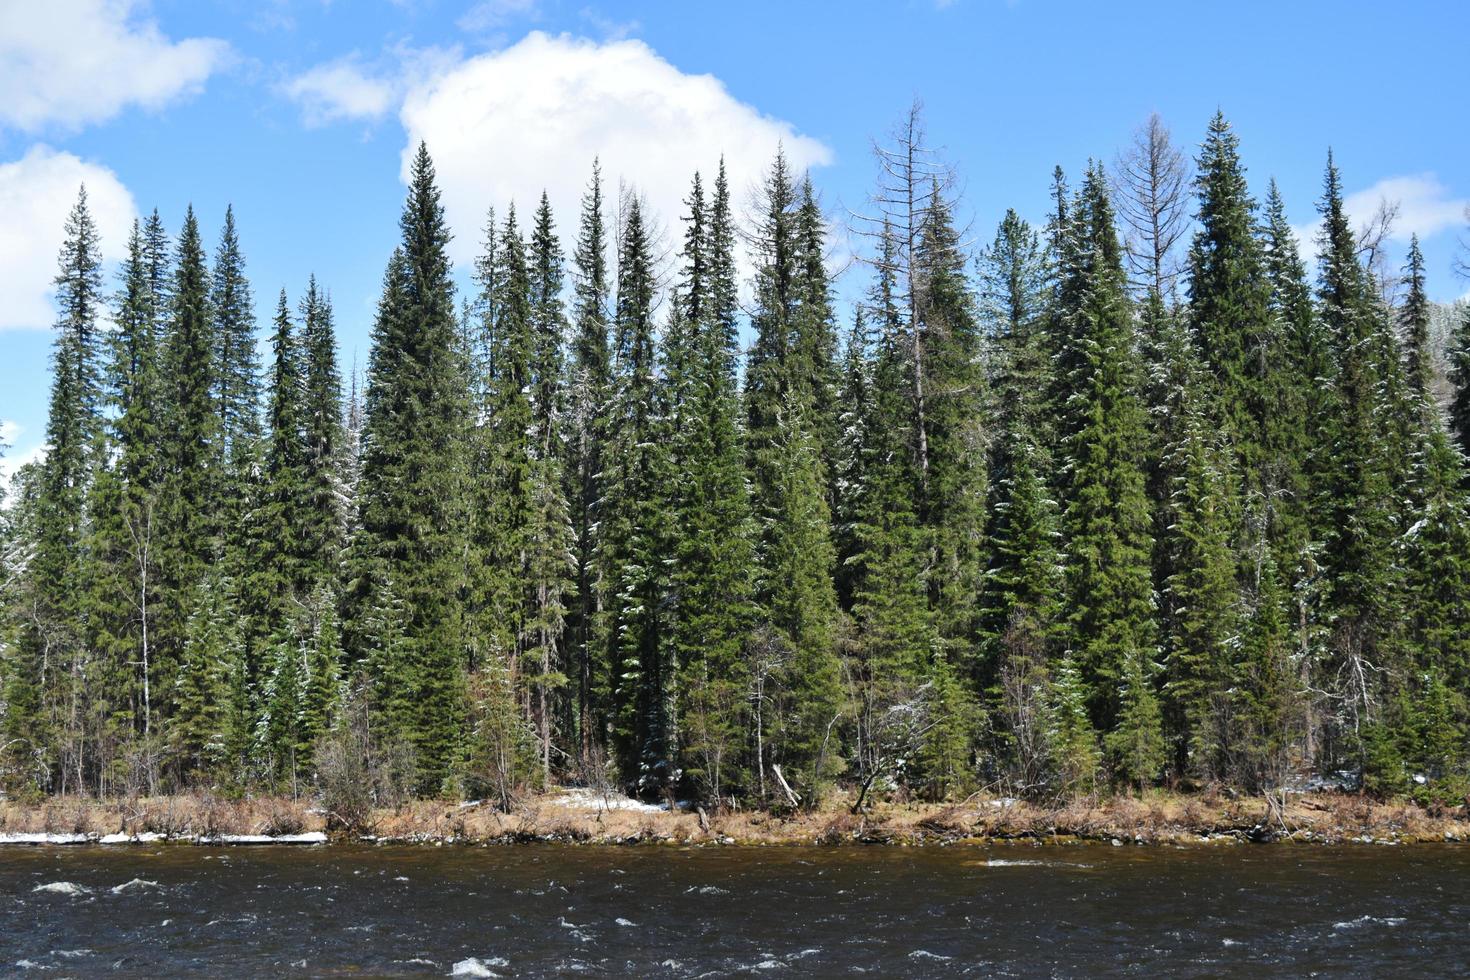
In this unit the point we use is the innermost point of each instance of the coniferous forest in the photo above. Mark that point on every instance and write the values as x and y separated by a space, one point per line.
1123 495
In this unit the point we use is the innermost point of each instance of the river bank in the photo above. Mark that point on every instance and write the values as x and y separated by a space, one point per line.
582 816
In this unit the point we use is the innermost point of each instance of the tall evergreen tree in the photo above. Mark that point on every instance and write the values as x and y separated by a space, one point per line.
1112 632
407 542
45 692
589 386
323 436
1363 573
713 551
635 529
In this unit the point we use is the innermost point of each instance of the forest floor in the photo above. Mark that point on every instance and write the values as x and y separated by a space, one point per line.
582 816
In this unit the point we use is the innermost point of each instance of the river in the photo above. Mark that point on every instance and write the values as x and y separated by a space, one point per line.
549 910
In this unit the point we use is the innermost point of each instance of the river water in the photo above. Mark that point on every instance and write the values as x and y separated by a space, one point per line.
547 910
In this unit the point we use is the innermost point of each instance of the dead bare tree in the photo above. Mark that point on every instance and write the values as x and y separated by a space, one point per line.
1151 184
1462 261
912 177
1373 235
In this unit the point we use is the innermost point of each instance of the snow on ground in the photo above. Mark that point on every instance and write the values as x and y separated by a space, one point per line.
44 838
591 799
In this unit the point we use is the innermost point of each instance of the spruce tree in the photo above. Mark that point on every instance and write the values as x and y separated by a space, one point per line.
1112 632
713 551
1361 568
45 690
953 504
635 530
408 546
550 541
189 500
588 389
790 487
328 496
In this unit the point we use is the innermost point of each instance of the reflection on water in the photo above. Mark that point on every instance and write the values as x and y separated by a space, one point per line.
654 911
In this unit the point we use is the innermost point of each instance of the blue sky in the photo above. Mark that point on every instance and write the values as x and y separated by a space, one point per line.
299 113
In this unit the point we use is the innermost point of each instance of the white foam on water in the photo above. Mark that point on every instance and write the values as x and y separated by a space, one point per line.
1014 863
924 954
625 922
1368 920
63 888
706 890
475 967
73 954
137 884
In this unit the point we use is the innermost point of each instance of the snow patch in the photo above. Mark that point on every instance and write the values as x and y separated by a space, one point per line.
44 838
591 799
63 888
144 838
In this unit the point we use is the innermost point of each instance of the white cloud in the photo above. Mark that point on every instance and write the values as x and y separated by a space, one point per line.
14 459
36 194
1426 207
505 125
73 62
340 90
489 14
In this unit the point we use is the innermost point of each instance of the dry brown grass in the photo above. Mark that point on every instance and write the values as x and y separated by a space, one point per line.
1157 817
